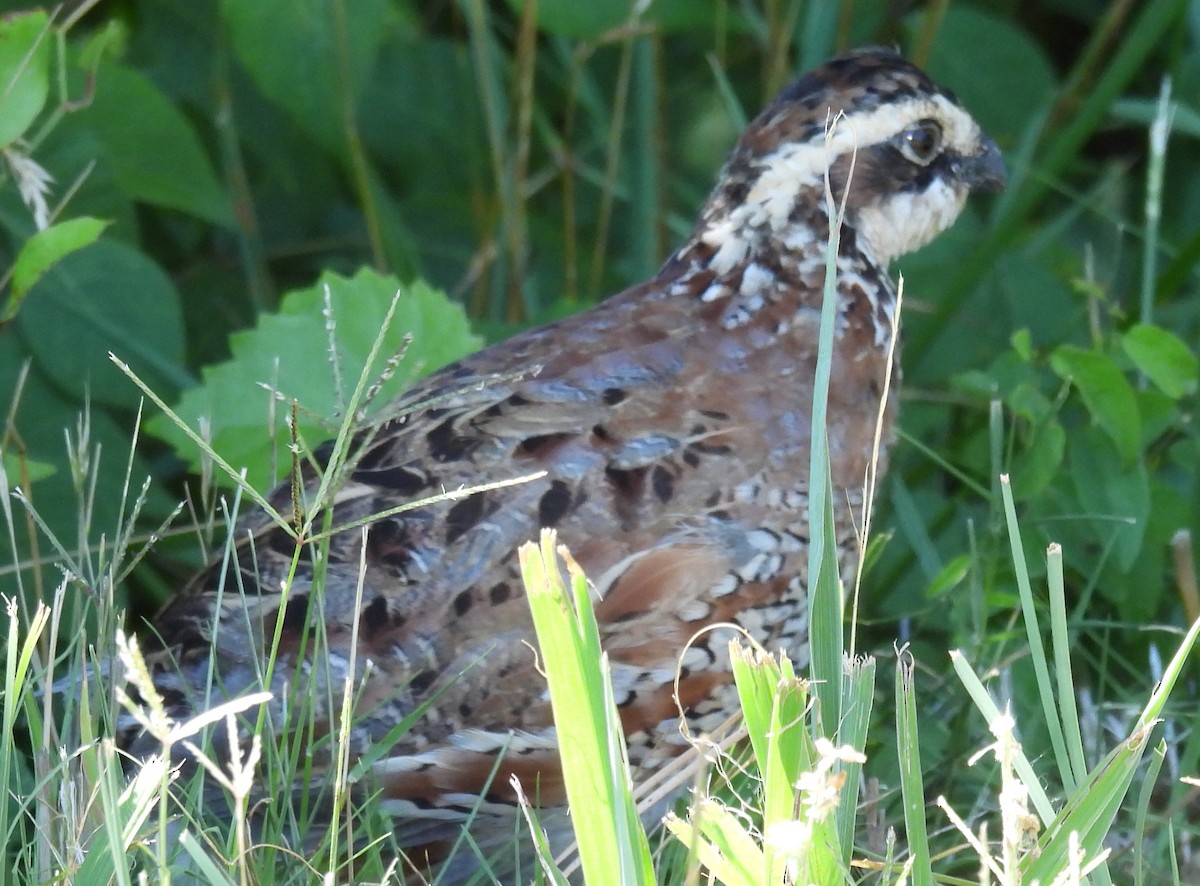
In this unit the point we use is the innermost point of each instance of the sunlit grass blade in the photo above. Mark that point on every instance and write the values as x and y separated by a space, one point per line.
858 692
1073 840
774 704
1171 674
18 653
202 861
545 856
124 812
612 843
723 843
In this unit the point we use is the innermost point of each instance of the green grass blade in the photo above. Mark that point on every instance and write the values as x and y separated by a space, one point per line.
826 600
612 846
541 845
1072 733
1143 807
202 861
991 713
731 855
774 703
1037 651
858 692
1089 811
1158 699
911 782
645 205
236 476
825 613
825 603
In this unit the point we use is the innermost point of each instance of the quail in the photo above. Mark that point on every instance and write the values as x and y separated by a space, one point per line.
670 428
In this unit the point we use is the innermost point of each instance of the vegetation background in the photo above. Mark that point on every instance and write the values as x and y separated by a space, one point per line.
527 159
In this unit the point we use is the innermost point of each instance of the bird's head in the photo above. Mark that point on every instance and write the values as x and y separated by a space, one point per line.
898 149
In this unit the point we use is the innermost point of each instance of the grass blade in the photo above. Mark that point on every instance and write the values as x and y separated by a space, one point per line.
612 844
1033 634
858 690
911 783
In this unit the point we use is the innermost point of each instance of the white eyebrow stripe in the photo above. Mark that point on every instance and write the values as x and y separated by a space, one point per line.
798 163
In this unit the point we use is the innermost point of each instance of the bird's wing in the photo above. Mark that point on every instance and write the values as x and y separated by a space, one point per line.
640 449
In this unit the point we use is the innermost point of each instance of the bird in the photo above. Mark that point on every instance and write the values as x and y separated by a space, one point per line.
667 433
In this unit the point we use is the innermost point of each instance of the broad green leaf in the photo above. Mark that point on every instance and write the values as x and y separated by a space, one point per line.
44 249
1027 401
578 21
19 469
153 147
1106 392
316 59
106 297
431 72
25 54
289 352
1160 415
951 577
72 146
1022 344
1111 492
1164 359
1038 461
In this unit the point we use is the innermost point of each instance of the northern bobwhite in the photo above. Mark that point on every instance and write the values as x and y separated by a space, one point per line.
672 423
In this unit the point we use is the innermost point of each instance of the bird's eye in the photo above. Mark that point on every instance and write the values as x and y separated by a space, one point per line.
921 141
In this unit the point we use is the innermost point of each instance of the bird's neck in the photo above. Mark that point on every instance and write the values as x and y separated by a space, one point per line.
750 263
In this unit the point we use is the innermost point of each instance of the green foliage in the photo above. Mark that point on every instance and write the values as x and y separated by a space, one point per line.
1107 396
155 155
319 57
1163 358
339 318
994 45
528 165
108 297
45 249
1099 432
590 21
25 43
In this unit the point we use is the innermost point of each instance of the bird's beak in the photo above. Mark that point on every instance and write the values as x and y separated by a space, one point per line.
984 171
